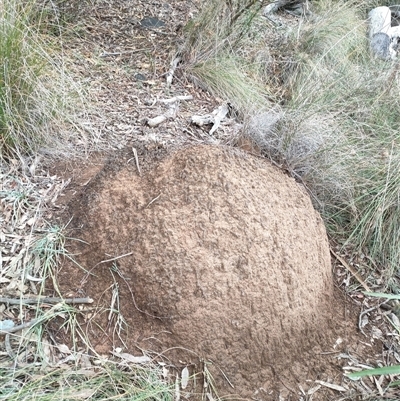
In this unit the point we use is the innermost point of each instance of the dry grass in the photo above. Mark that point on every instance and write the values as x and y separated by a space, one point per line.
39 100
211 57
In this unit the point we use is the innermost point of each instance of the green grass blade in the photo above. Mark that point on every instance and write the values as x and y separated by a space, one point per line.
381 295
387 370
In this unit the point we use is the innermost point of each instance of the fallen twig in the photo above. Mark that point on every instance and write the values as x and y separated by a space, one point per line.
171 72
219 115
152 201
176 98
351 270
44 300
136 159
116 258
331 385
19 327
107 54
214 118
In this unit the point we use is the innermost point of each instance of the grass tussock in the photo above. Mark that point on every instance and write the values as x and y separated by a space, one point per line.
108 381
212 58
334 74
38 98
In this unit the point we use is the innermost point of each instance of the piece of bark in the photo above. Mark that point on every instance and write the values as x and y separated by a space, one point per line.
219 115
214 118
171 72
153 122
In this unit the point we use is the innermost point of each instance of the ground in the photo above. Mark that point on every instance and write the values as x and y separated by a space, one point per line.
197 252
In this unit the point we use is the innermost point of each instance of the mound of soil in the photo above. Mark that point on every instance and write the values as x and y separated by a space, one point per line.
219 256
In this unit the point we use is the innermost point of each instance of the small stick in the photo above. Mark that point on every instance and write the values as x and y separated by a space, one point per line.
44 300
175 99
153 200
107 54
19 327
136 159
116 258
351 270
226 377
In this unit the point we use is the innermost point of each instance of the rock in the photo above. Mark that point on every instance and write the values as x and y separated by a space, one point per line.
6 325
152 23
379 20
153 122
380 45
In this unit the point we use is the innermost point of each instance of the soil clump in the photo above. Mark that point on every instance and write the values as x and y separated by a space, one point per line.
215 255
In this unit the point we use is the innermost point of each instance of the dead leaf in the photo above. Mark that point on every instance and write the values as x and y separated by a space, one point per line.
330 385
395 320
376 333
184 377
47 349
132 358
312 390
64 349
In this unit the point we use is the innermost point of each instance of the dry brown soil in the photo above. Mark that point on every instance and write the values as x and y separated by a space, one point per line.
217 256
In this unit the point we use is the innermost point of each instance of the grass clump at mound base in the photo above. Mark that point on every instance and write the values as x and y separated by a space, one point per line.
106 381
38 98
